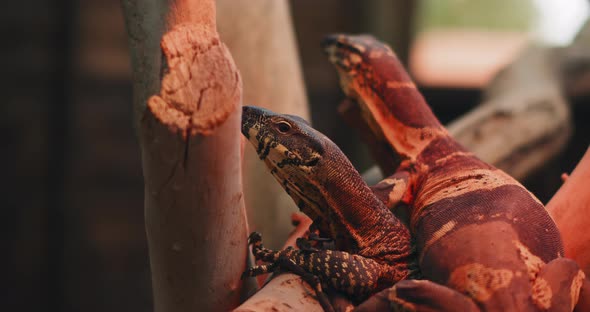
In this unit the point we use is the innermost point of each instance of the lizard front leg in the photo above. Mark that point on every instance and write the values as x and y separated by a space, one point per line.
418 295
351 274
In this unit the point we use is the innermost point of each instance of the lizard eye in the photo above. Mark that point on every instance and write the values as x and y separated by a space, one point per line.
283 127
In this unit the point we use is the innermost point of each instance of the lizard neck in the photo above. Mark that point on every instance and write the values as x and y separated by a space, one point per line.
356 211
390 102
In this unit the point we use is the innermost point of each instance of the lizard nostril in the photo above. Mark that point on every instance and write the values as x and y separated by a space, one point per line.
329 41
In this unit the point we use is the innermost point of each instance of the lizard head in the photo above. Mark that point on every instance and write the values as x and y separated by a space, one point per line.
373 77
293 152
355 58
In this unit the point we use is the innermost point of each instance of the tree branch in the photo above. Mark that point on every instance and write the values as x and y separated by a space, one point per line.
570 208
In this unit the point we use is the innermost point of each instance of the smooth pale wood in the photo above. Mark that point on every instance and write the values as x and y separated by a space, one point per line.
260 36
286 292
570 208
190 143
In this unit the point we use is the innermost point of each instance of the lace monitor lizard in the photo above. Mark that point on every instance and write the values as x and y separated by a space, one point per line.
481 236
372 247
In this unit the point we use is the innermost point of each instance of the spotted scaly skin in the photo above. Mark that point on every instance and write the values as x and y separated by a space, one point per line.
485 243
373 250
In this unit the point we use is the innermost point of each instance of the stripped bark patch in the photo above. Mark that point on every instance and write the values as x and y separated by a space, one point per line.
202 85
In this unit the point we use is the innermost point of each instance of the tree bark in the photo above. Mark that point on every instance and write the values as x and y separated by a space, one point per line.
187 95
260 36
570 209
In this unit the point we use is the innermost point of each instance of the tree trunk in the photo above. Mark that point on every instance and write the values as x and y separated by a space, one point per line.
260 36
187 94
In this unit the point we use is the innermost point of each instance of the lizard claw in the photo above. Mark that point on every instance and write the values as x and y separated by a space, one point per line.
317 238
254 238
304 245
245 274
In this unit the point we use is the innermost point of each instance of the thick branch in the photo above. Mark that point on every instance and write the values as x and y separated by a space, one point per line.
570 208
190 143
286 292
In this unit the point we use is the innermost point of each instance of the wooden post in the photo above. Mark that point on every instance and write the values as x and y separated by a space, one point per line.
187 95
260 36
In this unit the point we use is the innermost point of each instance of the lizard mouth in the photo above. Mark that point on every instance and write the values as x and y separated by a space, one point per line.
249 120
338 51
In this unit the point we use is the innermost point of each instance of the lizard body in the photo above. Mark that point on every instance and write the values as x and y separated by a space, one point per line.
372 247
480 235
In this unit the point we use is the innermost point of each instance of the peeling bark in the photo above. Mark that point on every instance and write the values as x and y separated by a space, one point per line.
202 85
190 144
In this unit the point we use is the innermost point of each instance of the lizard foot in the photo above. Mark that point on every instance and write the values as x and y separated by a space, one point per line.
259 270
283 260
254 238
305 245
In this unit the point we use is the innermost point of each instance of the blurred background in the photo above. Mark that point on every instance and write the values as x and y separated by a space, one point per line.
73 188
